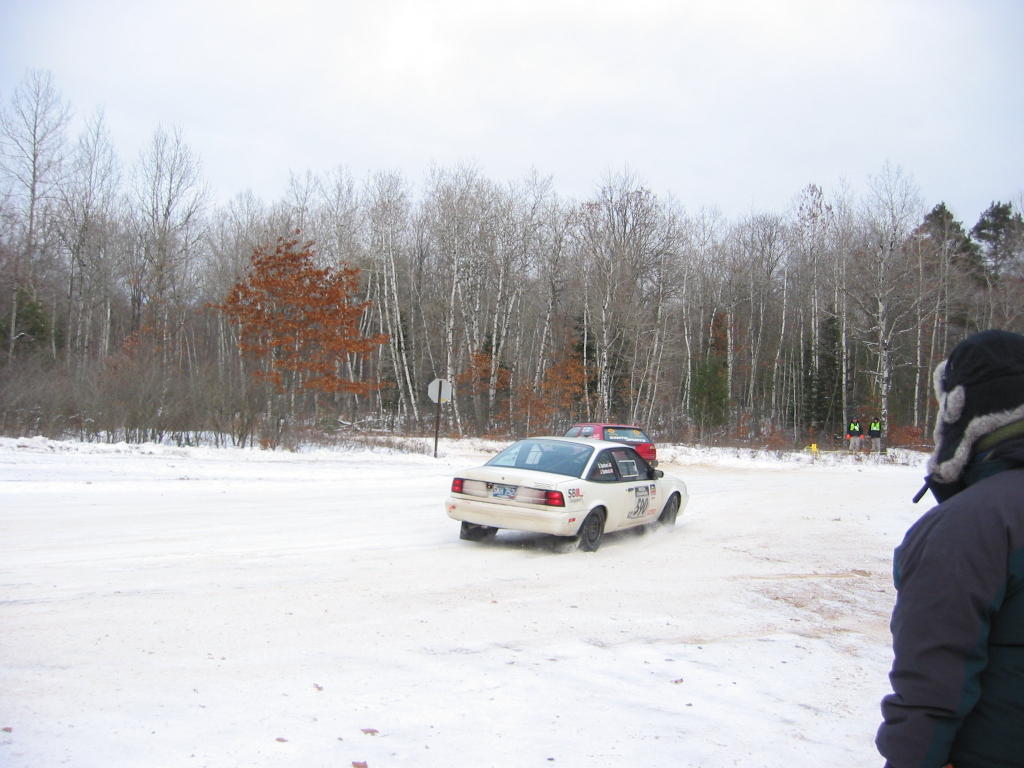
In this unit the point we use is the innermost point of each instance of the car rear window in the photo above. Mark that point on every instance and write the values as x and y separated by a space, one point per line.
631 434
545 456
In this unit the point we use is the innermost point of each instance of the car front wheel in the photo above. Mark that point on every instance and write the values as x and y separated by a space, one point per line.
592 531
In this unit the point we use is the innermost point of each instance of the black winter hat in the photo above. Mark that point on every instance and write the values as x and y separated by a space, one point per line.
980 388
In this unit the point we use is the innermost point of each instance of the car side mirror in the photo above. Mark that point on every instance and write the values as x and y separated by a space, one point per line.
657 474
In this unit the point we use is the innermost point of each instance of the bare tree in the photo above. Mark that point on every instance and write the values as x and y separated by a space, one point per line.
886 274
617 237
32 153
388 214
168 198
85 221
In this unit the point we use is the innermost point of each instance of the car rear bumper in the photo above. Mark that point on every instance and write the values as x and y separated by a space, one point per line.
558 521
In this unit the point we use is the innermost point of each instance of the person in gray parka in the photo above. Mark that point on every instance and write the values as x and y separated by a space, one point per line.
958 624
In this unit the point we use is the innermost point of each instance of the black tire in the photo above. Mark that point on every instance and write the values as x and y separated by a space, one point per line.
592 531
474 532
667 518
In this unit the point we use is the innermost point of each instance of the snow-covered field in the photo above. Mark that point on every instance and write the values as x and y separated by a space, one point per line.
202 607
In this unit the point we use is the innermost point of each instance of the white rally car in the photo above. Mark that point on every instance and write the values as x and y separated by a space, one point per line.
573 487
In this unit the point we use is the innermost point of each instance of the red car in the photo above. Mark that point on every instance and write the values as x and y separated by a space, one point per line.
634 437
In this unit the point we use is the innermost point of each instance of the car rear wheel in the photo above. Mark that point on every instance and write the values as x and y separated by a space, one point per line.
592 531
668 514
474 532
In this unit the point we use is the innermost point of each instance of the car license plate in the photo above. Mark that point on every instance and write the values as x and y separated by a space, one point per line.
503 491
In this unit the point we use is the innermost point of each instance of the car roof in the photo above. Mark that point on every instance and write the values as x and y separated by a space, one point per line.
605 424
592 441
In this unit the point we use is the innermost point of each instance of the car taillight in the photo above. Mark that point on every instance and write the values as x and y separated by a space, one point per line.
554 499
457 485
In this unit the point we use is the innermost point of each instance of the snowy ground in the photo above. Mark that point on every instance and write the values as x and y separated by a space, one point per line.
202 607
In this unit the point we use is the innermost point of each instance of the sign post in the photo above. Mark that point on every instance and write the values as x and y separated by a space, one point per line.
440 391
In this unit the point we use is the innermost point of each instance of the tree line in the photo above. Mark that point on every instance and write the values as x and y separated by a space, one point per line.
131 308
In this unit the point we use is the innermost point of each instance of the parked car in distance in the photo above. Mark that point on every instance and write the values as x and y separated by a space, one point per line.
634 437
572 487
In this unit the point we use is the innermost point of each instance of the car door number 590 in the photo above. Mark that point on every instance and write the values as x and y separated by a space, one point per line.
643 501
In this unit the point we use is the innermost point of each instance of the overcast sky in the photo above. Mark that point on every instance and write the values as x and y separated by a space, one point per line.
718 103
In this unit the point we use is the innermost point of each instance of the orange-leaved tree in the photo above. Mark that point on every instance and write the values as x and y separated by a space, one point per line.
298 324
558 400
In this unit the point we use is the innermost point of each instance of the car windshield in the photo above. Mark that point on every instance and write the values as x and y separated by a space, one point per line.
560 458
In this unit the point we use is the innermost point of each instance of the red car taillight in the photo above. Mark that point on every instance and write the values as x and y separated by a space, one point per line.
457 485
554 498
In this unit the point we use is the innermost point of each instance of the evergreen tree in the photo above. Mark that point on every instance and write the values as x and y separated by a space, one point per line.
33 328
710 398
946 235
709 402
1000 232
823 401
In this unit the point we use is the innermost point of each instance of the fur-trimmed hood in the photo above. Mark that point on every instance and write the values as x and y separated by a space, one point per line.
980 389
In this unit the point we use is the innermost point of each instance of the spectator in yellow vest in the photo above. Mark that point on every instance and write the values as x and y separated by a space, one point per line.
875 433
853 434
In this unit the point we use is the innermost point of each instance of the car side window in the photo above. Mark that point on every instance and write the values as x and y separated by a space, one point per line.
603 470
629 464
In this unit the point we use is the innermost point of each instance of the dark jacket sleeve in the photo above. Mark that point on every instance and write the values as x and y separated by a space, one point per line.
950 575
